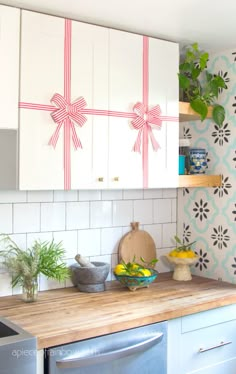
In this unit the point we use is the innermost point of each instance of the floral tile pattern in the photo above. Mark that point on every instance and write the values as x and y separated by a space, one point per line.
208 215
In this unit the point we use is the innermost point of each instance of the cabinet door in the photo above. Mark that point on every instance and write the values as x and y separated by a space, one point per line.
143 142
9 66
125 89
164 91
63 76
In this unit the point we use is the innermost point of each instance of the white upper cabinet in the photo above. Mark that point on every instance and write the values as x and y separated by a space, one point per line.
63 77
98 107
143 90
9 66
9 78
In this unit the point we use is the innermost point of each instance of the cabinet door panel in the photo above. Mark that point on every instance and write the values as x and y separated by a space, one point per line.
125 89
143 70
60 57
9 66
227 367
163 91
90 81
206 338
42 54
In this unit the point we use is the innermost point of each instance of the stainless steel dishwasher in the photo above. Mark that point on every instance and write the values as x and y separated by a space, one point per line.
17 349
139 350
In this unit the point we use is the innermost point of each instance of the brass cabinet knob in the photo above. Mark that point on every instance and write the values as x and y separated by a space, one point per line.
116 179
100 179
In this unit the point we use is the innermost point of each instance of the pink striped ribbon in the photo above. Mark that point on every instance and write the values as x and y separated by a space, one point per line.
68 114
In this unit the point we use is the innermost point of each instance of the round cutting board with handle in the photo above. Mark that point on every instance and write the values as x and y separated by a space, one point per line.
135 244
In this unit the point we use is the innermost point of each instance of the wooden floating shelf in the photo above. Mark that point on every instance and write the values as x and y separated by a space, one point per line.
186 113
198 180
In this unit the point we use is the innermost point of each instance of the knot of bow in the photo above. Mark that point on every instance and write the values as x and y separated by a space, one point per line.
146 118
67 114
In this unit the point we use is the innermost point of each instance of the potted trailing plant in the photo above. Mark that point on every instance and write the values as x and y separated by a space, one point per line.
25 265
199 87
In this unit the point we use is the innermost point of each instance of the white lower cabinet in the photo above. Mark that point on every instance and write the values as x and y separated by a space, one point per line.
203 343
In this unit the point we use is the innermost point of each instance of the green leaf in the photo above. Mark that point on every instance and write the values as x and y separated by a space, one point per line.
218 114
195 73
185 66
195 46
203 60
219 81
177 239
200 107
184 81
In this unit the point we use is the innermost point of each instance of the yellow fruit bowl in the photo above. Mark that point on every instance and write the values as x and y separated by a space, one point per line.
133 282
182 267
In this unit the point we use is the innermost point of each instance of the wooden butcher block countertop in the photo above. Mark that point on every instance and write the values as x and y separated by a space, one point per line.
66 315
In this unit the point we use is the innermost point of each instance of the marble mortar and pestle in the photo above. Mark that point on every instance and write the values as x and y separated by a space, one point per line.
89 276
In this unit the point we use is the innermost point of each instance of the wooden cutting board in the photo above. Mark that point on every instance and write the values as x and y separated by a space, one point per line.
136 243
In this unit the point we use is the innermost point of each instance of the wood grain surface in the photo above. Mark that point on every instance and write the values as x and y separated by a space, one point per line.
66 315
136 244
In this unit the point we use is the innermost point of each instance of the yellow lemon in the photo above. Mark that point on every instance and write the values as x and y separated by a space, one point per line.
119 269
190 253
182 254
173 253
145 273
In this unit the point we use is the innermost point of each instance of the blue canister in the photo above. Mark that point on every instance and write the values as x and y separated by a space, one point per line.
198 160
181 164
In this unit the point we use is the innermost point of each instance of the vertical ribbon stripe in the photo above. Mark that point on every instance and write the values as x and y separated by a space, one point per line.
67 95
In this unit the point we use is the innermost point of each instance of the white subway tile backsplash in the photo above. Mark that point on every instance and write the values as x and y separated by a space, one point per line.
77 215
122 212
101 214
156 233
38 236
110 239
69 241
20 240
86 195
52 216
89 242
163 264
39 196
5 218
162 210
133 194
112 194
91 223
143 211
5 284
65 196
174 210
26 218
13 197
168 233
49 284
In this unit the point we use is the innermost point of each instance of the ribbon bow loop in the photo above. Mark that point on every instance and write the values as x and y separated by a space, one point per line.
145 117
67 113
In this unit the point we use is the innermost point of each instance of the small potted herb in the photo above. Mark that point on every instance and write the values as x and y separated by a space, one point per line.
199 87
25 265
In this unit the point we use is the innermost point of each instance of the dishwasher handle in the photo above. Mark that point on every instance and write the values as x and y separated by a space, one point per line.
110 355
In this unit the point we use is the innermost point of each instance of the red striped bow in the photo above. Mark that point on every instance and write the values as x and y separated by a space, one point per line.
145 118
66 114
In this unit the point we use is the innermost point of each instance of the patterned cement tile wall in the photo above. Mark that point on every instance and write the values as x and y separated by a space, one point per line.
208 215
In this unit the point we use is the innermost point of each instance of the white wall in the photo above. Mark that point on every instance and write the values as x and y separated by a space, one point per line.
87 222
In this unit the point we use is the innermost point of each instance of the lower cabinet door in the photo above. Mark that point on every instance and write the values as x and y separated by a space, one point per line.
205 347
225 367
